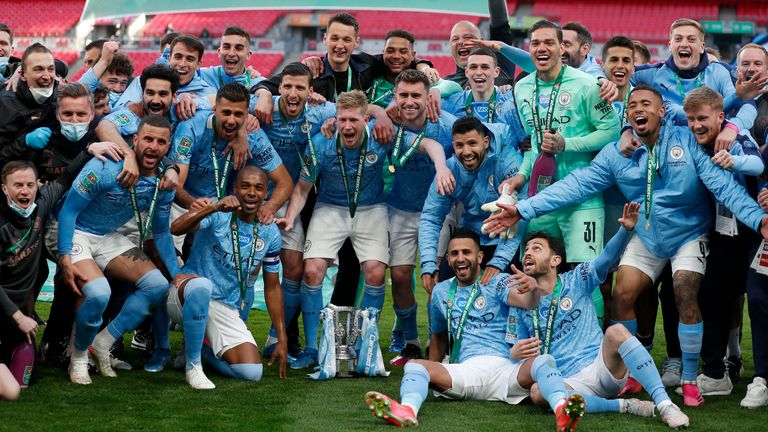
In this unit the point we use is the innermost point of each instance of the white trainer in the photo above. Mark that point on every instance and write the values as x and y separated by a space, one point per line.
78 372
197 380
672 416
637 407
103 361
757 394
714 387
670 373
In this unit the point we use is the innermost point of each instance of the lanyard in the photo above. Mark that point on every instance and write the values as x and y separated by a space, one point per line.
219 178
550 110
455 342
21 240
650 177
375 89
312 158
680 85
349 83
547 342
221 79
242 281
144 226
352 200
397 160
491 105
626 101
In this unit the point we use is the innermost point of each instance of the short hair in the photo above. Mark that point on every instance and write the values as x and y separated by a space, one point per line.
98 43
297 69
233 92
468 124
413 76
191 42
344 19
247 169
555 244
582 33
400 33
642 49
646 87
100 93
703 96
13 166
686 22
465 233
168 38
352 99
162 72
542 24
36 47
483 51
238 31
620 42
751 45
4 28
74 90
121 65
155 121
715 52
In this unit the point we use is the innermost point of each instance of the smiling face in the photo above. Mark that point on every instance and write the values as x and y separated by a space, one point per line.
157 97
398 54
350 123
251 189
470 148
545 49
464 258
230 118
752 61
233 53
91 57
20 187
705 123
686 43
185 61
6 47
114 82
539 259
411 98
619 65
645 111
39 70
481 72
341 41
294 91
462 32
573 52
74 110
151 144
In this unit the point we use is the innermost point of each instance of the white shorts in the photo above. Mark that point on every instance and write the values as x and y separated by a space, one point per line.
293 239
131 230
691 257
597 380
224 328
403 237
100 248
485 378
451 221
331 225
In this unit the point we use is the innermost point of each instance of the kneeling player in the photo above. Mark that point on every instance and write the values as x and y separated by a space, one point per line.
207 295
480 367
567 328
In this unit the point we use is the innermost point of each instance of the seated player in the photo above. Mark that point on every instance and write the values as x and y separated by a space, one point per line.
480 367
88 246
208 293
564 324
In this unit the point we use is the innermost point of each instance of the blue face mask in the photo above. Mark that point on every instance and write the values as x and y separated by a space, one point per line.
3 63
74 131
23 212
113 97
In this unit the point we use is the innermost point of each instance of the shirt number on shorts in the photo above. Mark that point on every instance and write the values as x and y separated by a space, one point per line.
589 231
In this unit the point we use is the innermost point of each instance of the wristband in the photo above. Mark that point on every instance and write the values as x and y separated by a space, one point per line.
732 126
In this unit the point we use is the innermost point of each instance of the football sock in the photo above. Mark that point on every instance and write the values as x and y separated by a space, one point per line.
194 312
221 366
414 386
248 371
544 371
407 319
596 404
88 316
311 305
690 344
642 368
630 325
291 302
373 296
150 290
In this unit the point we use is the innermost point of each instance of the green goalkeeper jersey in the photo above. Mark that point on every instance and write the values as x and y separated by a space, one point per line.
586 122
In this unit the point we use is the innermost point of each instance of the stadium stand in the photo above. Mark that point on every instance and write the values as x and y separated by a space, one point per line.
68 57
757 12
423 25
41 18
256 22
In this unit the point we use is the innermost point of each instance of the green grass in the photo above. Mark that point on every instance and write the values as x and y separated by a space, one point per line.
140 401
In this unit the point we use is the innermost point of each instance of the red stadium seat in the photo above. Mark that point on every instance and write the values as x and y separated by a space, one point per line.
41 18
423 25
255 22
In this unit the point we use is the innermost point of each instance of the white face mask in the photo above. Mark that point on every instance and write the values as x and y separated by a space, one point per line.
41 94
19 210
74 131
113 98
3 63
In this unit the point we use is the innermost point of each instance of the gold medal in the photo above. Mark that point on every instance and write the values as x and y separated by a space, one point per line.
392 169
647 225
242 305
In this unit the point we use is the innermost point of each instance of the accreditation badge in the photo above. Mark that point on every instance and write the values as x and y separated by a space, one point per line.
760 261
725 221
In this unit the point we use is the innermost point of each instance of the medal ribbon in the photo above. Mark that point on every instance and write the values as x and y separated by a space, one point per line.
397 160
221 79
349 83
550 110
491 105
547 342
455 342
21 240
680 85
373 99
352 200
312 152
650 177
219 178
143 226
241 280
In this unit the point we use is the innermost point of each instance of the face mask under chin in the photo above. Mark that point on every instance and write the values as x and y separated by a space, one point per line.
41 94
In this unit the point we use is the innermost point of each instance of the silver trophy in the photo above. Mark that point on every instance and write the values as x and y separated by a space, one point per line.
347 331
